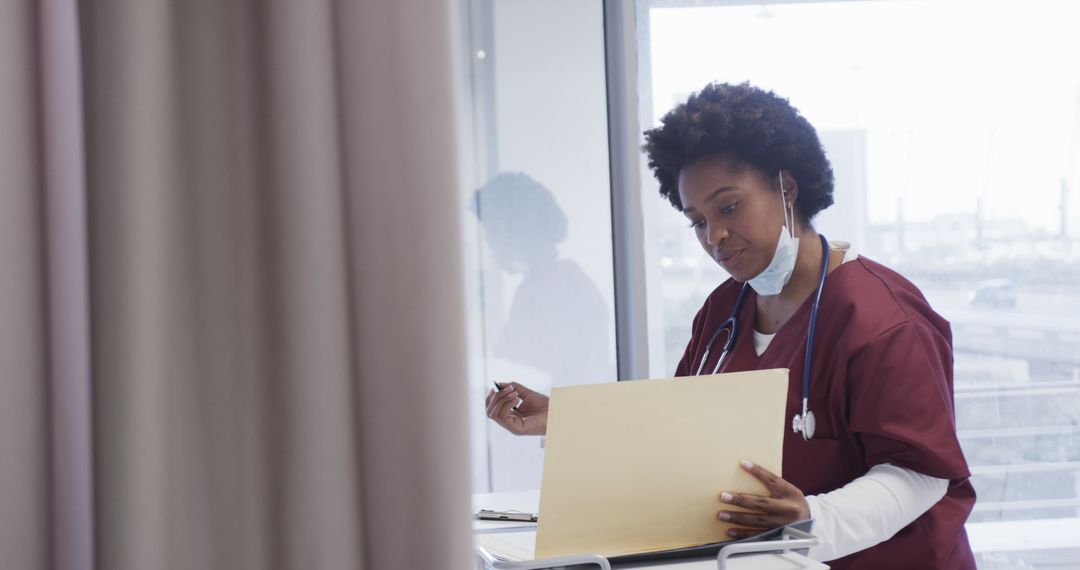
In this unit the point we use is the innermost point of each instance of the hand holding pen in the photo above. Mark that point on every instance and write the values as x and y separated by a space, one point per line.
518 409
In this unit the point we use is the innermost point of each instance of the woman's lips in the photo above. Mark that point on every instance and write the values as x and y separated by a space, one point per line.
729 259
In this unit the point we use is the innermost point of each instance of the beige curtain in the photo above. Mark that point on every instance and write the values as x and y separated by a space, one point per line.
25 532
233 338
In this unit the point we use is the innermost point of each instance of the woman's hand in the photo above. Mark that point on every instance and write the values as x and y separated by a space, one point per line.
518 409
785 504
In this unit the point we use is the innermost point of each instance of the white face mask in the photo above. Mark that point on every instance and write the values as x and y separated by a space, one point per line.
772 280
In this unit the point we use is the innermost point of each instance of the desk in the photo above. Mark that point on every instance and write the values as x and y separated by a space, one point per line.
525 534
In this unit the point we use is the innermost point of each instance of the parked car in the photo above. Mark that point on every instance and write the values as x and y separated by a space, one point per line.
995 293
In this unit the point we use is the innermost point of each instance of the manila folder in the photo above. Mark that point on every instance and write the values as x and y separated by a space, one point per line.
639 466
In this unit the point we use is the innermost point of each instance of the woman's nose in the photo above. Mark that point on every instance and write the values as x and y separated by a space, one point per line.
716 234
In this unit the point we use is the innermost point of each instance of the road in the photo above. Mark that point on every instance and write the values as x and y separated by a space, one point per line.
1034 310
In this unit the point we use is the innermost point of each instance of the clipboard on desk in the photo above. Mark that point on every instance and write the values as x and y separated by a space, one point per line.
638 467
794 537
633 470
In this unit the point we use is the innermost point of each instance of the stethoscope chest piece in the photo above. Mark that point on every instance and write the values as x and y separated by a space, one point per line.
804 424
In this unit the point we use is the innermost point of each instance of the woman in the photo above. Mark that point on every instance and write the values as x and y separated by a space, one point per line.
881 471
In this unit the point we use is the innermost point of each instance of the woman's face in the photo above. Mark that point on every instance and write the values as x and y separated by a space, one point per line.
735 212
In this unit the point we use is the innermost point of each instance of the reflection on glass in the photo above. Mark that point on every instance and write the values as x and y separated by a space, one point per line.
540 281
558 320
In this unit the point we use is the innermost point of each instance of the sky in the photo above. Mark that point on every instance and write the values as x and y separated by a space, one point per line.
961 100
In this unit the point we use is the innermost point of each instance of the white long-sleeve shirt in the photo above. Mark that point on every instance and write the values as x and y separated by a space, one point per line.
870 509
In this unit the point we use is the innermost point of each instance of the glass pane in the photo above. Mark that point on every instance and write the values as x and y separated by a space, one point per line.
954 131
541 254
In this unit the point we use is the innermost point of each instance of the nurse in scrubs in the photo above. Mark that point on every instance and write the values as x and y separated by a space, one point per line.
882 473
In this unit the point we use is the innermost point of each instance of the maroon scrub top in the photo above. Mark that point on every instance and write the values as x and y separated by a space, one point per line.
881 389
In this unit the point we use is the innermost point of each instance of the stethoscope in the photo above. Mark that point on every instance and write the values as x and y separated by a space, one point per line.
803 423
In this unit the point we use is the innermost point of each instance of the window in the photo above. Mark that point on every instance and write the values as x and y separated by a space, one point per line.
954 132
540 262
953 127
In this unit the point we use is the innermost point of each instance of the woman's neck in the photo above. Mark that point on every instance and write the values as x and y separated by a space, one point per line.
775 310
804 279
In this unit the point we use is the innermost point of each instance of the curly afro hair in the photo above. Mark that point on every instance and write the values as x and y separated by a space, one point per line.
758 127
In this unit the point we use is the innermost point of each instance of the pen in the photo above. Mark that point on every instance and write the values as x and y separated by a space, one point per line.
499 387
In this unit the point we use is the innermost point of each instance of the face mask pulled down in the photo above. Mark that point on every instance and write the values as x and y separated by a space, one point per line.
772 280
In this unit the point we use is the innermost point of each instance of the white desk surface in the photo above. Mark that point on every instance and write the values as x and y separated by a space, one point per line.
529 501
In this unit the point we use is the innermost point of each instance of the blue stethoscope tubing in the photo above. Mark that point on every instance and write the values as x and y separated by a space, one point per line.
803 423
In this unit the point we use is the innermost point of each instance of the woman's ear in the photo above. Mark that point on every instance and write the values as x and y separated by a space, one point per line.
791 193
791 187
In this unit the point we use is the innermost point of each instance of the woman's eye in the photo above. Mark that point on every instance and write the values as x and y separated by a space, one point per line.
696 224
730 208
